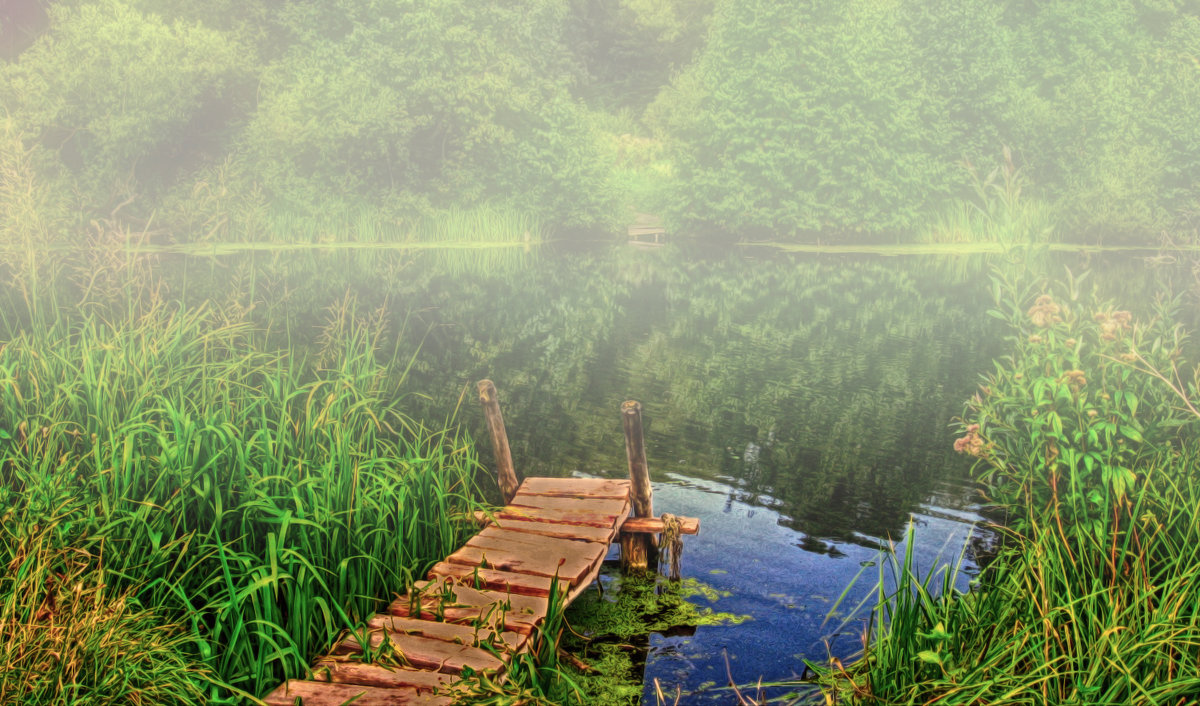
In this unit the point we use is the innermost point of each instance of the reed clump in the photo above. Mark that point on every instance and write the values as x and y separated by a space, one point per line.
263 499
1085 444
1000 211
67 638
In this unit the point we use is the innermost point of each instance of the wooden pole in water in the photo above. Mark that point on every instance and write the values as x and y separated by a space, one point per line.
506 476
637 549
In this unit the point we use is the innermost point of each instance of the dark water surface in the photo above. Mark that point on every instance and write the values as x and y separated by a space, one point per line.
798 404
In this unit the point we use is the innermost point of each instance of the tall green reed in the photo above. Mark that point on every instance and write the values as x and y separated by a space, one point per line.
487 224
67 638
265 500
484 224
999 212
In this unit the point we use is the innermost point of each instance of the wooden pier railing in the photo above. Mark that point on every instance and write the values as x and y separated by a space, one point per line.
480 606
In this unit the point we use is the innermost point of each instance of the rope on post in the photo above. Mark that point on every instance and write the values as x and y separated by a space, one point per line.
672 539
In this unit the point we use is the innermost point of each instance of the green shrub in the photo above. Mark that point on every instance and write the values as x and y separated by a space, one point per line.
1085 443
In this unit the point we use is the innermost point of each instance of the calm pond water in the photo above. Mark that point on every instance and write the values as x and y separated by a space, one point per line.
799 405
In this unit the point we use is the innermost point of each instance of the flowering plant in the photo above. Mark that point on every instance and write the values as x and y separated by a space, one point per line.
1079 416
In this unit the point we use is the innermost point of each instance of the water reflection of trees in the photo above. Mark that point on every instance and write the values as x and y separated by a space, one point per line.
821 387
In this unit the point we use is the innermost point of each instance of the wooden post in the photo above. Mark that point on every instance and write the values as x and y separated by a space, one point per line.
637 550
505 474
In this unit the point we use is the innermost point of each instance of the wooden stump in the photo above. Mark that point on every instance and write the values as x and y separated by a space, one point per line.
505 474
637 550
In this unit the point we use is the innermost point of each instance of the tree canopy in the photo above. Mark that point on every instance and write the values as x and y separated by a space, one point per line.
755 118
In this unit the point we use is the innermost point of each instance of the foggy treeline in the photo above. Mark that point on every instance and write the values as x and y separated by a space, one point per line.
749 118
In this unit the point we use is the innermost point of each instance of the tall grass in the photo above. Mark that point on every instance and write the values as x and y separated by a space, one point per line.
485 224
31 217
1000 212
481 224
67 638
1086 444
263 500
1043 627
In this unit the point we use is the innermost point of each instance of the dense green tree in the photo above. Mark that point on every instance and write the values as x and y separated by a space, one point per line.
449 102
963 54
1096 119
1081 94
853 116
115 91
628 50
806 117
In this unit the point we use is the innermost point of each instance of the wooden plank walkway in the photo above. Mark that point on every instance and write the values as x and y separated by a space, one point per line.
481 605
647 230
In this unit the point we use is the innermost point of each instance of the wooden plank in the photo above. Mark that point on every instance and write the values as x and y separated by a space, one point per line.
474 576
450 632
654 525
505 556
599 506
575 487
427 653
521 552
584 582
646 230
527 554
604 535
317 693
465 605
344 671
562 517
561 545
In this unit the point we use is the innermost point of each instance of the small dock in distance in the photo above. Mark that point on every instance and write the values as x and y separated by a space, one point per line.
481 606
647 231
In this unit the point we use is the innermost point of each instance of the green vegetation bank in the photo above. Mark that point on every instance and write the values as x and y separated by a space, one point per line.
355 119
1085 444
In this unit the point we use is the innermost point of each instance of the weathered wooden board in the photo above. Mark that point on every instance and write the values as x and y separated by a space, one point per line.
584 582
471 574
558 545
654 525
646 230
600 506
450 632
345 671
564 517
511 556
428 653
576 487
521 552
466 605
604 535
316 693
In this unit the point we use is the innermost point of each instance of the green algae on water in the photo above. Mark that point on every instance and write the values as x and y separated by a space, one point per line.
633 606
610 631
